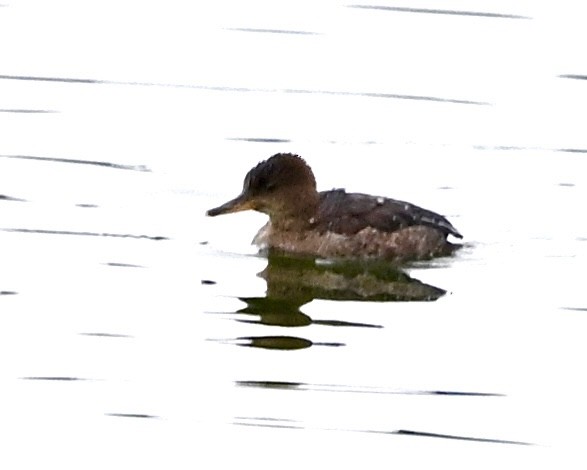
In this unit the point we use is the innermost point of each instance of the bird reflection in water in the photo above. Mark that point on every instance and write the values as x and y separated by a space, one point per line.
293 282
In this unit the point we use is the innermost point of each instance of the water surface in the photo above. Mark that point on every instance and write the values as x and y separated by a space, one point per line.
138 332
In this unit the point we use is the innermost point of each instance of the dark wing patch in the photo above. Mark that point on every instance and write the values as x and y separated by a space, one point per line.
349 213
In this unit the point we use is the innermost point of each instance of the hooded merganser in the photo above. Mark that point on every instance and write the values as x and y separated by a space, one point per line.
334 224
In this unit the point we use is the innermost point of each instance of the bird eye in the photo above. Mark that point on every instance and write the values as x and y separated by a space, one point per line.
259 182
265 184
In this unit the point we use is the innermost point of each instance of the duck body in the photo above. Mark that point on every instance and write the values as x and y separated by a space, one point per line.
335 224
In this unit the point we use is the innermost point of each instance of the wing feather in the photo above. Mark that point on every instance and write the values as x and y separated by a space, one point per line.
349 213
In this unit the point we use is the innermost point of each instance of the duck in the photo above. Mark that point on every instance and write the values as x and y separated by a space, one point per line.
335 223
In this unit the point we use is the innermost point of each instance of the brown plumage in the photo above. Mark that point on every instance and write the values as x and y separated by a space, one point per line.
335 223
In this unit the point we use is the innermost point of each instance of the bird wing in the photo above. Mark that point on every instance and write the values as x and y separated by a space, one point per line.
349 213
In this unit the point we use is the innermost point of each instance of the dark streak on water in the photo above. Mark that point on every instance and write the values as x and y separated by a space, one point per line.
8 292
260 140
575 309
53 79
345 324
309 321
208 282
28 111
574 76
123 265
406 432
349 389
276 425
272 31
87 206
517 148
55 378
388 95
4 197
106 335
131 415
441 12
288 317
270 384
498 147
84 234
283 343
266 419
243 89
287 424
80 162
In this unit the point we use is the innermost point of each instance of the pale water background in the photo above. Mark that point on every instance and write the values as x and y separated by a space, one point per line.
122 332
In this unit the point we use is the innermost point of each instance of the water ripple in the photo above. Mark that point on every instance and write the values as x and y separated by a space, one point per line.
28 111
85 234
265 140
356 389
441 12
272 31
132 415
406 432
245 89
4 197
106 335
55 378
116 166
574 76
289 424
